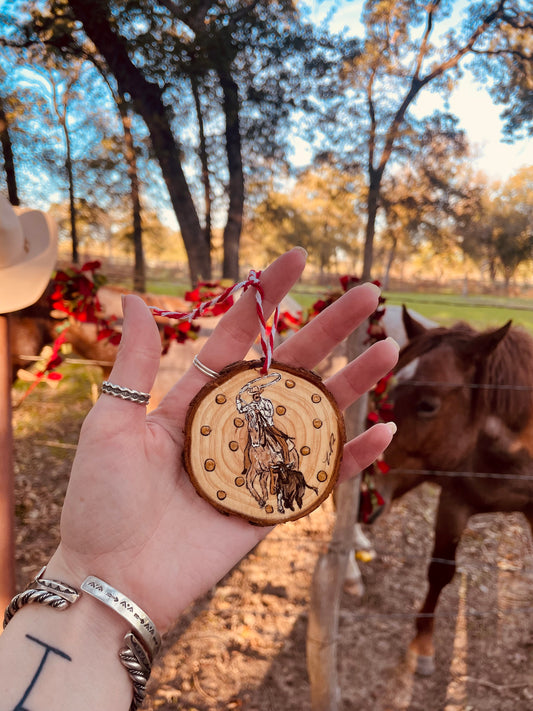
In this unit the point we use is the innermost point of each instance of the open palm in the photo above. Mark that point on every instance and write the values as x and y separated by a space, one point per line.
131 515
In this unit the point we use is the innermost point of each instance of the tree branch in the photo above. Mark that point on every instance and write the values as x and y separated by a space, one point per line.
373 122
424 44
503 52
418 83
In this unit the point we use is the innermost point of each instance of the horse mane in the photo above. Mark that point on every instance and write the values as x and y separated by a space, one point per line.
509 369
504 377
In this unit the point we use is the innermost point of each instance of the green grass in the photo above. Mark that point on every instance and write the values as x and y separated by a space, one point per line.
306 300
479 311
41 414
167 288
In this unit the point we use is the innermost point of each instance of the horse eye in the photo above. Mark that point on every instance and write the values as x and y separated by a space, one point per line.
427 407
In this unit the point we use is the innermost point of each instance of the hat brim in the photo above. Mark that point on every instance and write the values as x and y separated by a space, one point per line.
22 284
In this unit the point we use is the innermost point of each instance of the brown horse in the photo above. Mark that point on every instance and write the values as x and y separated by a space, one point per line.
266 447
463 404
35 327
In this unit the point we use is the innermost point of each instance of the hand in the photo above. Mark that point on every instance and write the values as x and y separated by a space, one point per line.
131 516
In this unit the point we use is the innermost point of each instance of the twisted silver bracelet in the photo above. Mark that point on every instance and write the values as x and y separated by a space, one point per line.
45 592
140 645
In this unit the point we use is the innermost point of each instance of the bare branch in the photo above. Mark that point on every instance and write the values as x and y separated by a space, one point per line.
424 44
503 52
373 122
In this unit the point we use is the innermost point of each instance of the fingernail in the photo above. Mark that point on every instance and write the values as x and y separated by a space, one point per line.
390 339
373 287
302 250
392 427
123 302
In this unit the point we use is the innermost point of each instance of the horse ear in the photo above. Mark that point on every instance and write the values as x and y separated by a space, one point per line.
412 327
484 344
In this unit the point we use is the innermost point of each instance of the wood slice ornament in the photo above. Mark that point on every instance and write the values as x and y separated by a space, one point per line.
263 440
264 446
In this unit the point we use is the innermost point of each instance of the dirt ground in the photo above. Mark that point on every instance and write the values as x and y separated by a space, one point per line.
242 646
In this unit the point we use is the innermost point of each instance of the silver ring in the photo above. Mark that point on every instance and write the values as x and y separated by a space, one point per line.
125 393
203 368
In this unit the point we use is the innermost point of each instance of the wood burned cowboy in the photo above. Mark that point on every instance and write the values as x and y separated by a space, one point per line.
267 445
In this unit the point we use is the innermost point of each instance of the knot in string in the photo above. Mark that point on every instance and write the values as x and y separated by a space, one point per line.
254 279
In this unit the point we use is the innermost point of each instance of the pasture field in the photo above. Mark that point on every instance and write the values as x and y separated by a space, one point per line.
167 288
479 311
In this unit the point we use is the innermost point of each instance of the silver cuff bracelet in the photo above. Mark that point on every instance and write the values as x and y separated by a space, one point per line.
142 625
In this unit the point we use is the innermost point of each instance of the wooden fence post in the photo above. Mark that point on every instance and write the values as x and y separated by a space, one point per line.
7 536
329 573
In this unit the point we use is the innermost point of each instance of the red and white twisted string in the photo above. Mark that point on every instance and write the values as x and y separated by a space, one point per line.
267 338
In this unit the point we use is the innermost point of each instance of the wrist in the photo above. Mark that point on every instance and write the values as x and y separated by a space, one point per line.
103 617
102 621
58 646
68 567
115 601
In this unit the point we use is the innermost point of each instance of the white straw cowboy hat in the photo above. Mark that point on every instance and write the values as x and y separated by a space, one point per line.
28 252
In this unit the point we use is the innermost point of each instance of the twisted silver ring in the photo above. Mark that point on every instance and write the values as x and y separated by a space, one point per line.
203 368
125 393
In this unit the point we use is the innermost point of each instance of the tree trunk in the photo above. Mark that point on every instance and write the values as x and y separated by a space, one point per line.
139 269
72 200
390 260
9 162
372 211
146 98
233 228
206 182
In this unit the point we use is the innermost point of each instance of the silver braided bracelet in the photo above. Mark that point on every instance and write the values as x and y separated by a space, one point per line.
45 592
140 645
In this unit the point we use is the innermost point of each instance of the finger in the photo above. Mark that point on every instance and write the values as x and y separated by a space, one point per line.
364 449
313 343
237 331
138 356
361 374
235 334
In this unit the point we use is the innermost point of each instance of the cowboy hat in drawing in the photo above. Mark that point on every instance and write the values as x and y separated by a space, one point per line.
28 252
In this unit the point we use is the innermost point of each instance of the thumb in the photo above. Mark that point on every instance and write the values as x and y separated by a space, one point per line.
139 352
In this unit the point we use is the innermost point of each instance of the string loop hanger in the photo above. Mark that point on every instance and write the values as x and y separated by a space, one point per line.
253 280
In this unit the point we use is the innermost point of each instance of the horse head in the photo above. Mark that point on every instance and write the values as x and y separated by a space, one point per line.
256 430
444 390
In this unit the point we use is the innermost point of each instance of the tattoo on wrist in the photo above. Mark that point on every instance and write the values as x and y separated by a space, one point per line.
48 649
